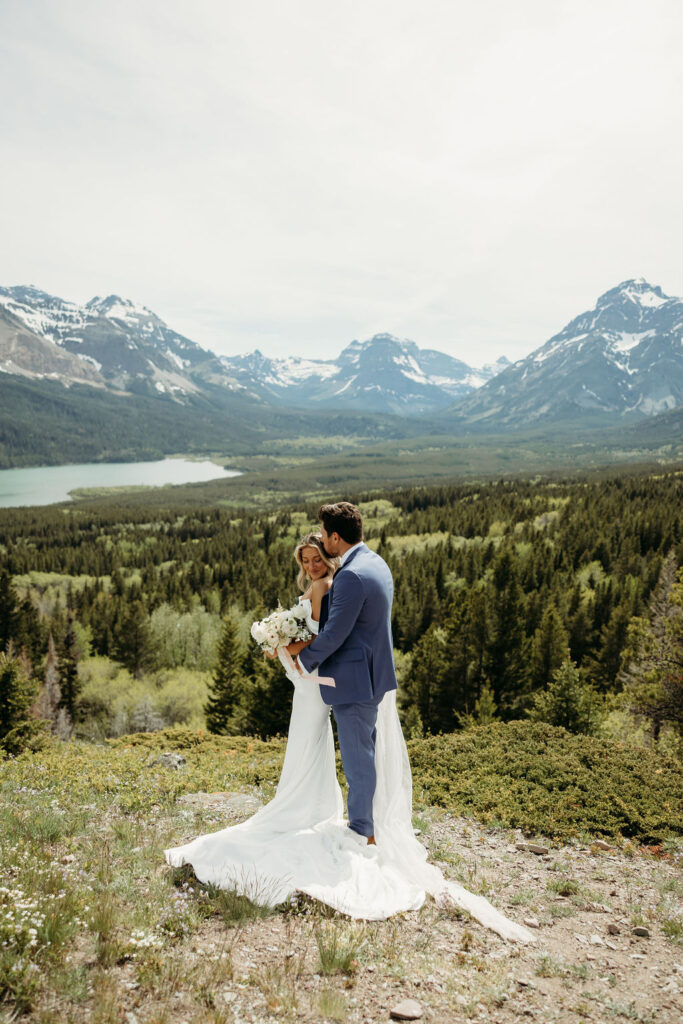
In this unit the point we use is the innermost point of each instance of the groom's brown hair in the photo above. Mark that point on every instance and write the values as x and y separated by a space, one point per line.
342 518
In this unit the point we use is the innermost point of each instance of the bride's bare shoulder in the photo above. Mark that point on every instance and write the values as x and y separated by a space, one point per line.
320 587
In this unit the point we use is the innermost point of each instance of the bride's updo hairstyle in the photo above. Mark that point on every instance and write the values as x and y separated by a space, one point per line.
312 540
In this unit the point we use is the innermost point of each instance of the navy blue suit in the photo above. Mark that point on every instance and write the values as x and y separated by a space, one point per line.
354 646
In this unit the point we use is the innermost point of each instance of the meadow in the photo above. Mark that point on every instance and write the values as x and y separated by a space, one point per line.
94 924
533 621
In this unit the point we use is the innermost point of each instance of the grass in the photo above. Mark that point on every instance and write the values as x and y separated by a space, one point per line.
560 910
563 887
549 968
86 899
279 987
339 947
332 1005
673 928
522 897
235 909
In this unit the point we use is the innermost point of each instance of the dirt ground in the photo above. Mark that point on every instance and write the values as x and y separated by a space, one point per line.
581 902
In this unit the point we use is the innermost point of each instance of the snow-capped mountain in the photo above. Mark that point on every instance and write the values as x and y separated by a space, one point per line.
382 374
24 353
624 356
127 345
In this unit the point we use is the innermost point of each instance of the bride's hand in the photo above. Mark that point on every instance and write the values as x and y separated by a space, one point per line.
270 656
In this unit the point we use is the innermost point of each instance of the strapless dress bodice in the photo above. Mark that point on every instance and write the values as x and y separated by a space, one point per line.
312 624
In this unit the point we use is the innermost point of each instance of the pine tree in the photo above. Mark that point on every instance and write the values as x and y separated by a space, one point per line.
569 702
425 689
605 667
17 696
506 659
133 645
228 677
68 671
485 707
479 638
652 675
266 699
549 648
457 685
9 610
580 635
484 710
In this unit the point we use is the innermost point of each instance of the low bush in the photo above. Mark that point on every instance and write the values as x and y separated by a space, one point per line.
543 779
528 775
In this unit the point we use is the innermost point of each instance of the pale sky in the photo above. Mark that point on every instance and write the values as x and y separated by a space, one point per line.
293 175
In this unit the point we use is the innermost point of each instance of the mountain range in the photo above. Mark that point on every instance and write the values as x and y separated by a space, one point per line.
126 347
383 374
622 359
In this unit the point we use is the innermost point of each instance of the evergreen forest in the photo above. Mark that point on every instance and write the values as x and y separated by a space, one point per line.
557 600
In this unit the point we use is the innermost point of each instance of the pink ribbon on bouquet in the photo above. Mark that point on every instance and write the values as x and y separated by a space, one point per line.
288 662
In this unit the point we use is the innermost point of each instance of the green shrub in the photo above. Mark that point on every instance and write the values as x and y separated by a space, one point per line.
525 775
543 779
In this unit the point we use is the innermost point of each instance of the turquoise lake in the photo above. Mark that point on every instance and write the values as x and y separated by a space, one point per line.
45 485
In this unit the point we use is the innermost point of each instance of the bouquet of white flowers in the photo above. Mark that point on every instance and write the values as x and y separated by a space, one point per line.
281 628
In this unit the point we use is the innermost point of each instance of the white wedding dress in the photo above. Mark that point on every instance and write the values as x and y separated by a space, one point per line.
299 841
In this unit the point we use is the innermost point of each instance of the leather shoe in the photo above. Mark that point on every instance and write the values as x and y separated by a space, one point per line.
371 841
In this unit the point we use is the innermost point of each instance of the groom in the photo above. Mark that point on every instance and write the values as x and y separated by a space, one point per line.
355 648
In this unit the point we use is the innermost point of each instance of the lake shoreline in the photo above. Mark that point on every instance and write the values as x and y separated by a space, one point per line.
38 486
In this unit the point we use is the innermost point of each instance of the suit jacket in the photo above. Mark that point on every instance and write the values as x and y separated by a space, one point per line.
355 645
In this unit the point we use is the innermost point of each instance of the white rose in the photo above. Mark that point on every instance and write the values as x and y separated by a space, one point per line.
258 632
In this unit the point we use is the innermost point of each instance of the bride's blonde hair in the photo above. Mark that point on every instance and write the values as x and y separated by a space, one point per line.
312 540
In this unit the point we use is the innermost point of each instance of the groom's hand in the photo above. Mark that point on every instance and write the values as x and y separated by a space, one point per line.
296 646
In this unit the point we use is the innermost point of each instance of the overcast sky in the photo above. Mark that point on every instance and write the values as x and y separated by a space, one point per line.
293 175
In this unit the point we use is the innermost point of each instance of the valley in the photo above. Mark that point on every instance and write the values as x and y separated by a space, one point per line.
110 381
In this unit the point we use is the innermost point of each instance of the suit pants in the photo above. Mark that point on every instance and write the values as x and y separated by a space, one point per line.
357 734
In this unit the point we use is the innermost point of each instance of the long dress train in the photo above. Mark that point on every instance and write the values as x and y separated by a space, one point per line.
300 842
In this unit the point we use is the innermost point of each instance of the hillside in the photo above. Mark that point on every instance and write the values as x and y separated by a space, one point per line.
45 423
513 601
118 932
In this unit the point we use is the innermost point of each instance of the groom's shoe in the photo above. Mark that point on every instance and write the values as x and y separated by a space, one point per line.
371 841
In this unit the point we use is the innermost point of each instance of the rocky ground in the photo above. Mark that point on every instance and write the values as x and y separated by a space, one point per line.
129 940
606 920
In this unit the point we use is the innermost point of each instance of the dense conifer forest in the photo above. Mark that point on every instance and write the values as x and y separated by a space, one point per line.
513 599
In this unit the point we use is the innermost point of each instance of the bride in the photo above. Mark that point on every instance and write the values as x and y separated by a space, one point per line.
300 842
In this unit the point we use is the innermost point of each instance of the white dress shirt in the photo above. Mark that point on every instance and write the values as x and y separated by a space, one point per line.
348 552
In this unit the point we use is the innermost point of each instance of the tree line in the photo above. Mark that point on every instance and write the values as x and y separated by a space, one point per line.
503 592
